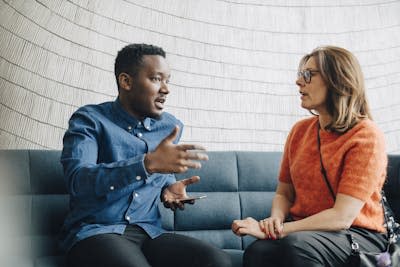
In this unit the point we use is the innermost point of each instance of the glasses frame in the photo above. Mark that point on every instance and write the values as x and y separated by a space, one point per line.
306 74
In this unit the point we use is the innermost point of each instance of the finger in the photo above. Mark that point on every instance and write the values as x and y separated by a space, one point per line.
184 165
191 164
191 202
271 229
172 136
166 205
235 230
196 155
234 223
179 204
191 180
180 169
238 224
262 226
242 231
169 205
278 226
185 147
267 230
235 226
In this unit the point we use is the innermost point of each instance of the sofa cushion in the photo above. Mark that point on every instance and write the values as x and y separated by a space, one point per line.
218 174
258 170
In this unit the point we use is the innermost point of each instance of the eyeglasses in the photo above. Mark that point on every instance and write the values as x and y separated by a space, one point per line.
306 74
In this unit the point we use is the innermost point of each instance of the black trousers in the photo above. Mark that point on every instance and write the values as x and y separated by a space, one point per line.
311 249
136 249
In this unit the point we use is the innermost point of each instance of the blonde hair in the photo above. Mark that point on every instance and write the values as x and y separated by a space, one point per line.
346 99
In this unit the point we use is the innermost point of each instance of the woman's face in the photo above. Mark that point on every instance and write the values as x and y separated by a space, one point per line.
312 87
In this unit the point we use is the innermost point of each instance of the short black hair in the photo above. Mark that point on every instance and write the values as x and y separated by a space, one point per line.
130 58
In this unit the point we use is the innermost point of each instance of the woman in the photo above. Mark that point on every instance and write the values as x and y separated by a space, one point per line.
352 151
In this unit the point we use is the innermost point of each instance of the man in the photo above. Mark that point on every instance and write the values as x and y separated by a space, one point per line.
119 158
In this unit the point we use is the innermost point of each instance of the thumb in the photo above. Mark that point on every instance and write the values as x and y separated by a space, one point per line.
172 136
191 180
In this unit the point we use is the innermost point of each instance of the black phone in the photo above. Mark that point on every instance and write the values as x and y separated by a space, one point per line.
186 200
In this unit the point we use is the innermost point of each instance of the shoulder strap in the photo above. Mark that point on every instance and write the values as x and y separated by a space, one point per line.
323 171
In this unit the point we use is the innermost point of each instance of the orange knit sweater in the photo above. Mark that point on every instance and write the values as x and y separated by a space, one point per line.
355 163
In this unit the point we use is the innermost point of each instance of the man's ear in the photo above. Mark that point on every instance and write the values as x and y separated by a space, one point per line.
125 81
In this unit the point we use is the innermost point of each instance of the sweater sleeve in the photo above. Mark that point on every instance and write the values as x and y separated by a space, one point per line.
284 173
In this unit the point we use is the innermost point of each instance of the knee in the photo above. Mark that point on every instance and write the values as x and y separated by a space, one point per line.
257 254
296 242
254 250
217 258
298 248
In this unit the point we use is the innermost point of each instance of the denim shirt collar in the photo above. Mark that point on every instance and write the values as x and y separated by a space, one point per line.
127 121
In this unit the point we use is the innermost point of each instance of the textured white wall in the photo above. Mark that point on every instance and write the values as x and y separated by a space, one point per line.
233 63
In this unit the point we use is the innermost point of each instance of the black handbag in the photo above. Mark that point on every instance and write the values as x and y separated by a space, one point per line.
388 258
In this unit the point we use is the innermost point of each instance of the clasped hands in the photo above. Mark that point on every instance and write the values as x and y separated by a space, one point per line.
268 228
175 158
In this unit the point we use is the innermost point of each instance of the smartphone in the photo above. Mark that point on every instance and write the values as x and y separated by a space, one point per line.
185 200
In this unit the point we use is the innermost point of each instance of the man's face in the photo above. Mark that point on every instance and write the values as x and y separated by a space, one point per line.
148 88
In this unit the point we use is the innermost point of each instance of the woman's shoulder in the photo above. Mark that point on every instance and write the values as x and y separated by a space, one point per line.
365 132
305 123
366 127
303 129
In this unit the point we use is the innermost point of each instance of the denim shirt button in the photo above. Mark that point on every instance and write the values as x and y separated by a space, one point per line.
111 187
129 128
139 135
127 218
138 178
135 194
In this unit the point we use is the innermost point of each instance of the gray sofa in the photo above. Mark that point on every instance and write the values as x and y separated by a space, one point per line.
34 202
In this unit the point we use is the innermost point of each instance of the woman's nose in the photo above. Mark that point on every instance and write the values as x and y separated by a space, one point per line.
299 81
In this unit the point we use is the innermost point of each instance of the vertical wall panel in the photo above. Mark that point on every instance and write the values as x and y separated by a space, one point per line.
233 63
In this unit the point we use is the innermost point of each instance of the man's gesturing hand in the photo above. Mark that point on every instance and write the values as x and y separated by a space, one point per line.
171 158
173 194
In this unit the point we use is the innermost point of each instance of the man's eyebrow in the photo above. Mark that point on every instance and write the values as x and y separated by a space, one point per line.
168 75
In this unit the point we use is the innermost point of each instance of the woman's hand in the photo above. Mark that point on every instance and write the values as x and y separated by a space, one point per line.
272 227
248 226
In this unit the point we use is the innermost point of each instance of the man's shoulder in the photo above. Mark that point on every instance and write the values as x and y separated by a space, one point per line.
95 108
169 118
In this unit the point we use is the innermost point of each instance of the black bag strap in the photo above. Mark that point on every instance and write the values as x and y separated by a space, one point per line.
323 171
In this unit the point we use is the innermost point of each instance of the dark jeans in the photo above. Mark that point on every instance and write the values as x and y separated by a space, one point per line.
311 249
136 249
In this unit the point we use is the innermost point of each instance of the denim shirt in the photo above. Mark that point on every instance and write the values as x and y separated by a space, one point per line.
104 172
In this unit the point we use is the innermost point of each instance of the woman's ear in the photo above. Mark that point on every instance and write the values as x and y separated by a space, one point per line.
125 81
